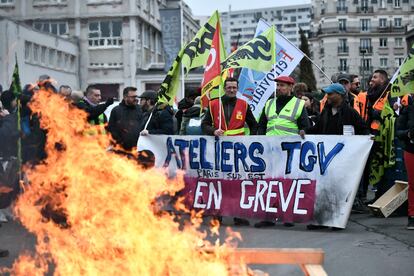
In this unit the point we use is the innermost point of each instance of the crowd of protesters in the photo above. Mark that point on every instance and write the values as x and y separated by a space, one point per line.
342 109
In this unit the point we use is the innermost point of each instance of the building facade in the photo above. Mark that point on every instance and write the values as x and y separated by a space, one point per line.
117 39
240 26
37 54
359 36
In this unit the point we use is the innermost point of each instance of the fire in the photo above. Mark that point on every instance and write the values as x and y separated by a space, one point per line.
93 212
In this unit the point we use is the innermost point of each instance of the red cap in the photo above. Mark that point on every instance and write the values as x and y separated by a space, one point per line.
285 79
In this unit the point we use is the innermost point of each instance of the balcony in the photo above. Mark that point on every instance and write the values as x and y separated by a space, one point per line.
335 30
365 10
342 10
366 50
343 50
384 29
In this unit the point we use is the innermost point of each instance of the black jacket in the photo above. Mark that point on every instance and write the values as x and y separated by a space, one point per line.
229 103
327 123
302 122
405 124
93 111
124 124
161 121
8 136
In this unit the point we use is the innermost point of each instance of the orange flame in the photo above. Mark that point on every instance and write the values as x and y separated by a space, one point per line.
93 213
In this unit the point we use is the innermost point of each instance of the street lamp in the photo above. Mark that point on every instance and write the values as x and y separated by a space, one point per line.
363 51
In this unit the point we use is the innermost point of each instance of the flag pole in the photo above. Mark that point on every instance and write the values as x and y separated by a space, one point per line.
182 45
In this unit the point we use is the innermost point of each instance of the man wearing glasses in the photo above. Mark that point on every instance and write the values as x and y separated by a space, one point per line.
358 97
126 119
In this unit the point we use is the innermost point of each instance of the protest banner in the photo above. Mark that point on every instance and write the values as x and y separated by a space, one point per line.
284 178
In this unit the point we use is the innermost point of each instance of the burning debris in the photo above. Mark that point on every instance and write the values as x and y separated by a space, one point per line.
92 210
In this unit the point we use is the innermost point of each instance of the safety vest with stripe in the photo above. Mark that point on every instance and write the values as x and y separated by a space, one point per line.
237 120
284 123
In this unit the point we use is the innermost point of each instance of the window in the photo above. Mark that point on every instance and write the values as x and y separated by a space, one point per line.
59 60
397 3
343 65
383 62
365 42
35 52
342 24
364 4
343 45
397 22
365 25
383 22
49 2
398 42
55 27
43 55
52 54
399 61
27 50
105 33
341 5
382 4
6 2
146 39
104 1
366 64
383 42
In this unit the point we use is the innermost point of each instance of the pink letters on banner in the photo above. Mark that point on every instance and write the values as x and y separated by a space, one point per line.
289 200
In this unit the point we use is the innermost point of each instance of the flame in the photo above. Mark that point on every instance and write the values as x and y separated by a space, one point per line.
93 211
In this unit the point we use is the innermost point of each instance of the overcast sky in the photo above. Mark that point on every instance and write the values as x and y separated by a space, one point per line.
207 7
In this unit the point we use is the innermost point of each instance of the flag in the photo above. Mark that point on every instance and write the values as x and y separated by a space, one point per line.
212 74
193 55
404 81
257 54
212 70
15 86
384 150
256 87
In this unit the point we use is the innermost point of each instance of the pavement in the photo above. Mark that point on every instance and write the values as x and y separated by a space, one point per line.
368 246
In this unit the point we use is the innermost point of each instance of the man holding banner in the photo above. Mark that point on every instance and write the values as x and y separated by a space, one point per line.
229 116
283 115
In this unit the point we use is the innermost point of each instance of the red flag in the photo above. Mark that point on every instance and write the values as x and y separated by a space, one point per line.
212 71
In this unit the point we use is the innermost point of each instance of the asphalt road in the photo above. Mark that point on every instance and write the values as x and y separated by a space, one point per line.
368 246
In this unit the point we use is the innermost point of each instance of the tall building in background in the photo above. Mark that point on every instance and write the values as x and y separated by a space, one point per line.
359 36
240 26
117 39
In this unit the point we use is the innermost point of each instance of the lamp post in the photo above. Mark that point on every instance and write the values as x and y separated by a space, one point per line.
363 51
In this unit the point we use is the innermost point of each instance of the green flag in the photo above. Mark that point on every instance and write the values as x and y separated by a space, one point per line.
257 54
404 82
15 86
193 55
384 150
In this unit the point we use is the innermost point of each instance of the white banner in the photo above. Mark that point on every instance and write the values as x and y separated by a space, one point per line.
285 178
256 87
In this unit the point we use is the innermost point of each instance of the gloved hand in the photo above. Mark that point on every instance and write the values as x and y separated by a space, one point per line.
109 101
